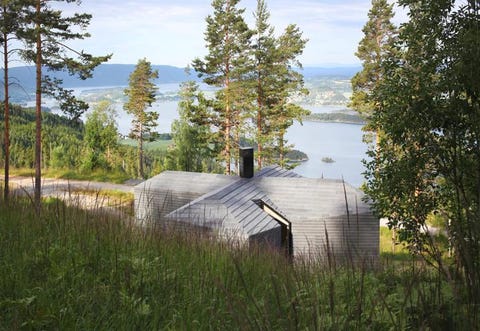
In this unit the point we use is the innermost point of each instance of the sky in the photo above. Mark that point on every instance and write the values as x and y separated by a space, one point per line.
171 32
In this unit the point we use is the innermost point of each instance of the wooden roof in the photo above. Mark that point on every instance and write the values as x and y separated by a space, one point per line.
230 202
313 198
194 182
234 206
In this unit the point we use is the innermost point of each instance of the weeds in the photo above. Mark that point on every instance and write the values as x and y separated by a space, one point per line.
77 269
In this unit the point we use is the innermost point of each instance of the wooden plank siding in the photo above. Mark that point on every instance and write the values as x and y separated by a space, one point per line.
317 210
354 241
329 218
164 193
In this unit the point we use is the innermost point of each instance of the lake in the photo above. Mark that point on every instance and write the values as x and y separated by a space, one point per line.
341 142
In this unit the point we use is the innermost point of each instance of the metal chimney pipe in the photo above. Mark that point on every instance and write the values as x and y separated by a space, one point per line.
246 162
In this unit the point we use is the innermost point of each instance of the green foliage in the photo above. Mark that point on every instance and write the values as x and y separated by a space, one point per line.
255 73
101 136
335 118
275 81
191 150
379 33
227 39
52 29
73 269
62 139
141 94
428 112
66 151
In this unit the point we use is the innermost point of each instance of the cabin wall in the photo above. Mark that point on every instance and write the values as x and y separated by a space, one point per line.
270 239
151 205
346 239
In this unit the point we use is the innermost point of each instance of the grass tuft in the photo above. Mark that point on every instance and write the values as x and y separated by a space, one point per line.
77 269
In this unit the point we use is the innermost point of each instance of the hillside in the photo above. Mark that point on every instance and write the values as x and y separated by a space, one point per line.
104 75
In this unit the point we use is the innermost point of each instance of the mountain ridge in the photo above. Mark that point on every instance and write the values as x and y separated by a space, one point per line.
117 75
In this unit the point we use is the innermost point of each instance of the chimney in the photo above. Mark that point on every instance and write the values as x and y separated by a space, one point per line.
246 162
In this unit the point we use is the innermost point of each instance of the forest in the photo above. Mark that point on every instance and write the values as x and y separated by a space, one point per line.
417 93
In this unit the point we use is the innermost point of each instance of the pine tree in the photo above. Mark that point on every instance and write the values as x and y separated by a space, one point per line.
264 48
379 32
225 66
191 151
46 37
288 82
141 94
10 23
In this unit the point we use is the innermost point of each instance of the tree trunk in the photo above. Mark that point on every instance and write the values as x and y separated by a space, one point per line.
281 150
38 115
228 125
7 119
259 128
140 154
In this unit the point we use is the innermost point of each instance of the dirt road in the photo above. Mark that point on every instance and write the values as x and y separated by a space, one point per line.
83 194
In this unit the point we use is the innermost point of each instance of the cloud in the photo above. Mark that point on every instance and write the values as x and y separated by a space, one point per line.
172 32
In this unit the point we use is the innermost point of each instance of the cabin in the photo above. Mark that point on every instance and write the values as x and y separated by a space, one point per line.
314 218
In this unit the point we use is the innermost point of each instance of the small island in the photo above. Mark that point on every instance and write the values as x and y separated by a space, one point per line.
296 156
327 159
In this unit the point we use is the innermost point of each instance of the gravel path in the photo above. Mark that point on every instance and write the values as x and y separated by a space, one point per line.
50 185
74 192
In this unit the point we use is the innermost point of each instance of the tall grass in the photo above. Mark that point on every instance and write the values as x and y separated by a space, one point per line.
73 269
97 175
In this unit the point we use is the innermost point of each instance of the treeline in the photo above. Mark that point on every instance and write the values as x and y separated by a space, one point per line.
253 71
73 145
335 117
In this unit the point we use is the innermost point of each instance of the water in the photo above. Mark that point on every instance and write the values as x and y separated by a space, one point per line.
341 142
167 114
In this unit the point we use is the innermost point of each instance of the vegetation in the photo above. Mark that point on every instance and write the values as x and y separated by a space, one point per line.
45 33
379 32
191 149
70 147
101 137
275 81
295 155
327 159
141 94
427 109
73 269
254 73
9 25
227 39
335 118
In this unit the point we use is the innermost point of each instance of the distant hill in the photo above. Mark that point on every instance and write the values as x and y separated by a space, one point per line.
104 75
347 72
117 75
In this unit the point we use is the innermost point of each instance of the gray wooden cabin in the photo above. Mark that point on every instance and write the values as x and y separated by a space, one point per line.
312 218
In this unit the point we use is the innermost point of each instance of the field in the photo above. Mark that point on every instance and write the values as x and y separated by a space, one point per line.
75 269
